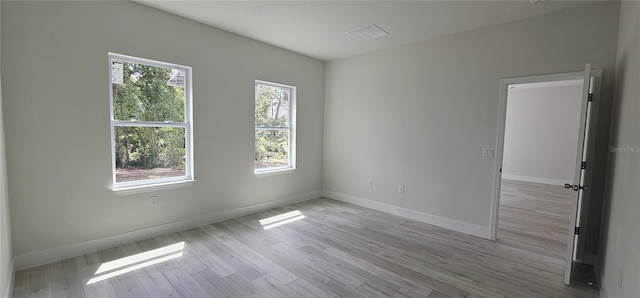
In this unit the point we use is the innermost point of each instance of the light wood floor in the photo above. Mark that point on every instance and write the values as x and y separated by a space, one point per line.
535 217
336 250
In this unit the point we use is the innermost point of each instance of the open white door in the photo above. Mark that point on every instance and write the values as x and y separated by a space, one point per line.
579 178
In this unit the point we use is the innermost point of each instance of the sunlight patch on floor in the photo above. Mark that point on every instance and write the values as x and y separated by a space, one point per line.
134 262
281 219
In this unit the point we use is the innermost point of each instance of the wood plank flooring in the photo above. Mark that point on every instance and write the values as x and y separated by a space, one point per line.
336 250
535 217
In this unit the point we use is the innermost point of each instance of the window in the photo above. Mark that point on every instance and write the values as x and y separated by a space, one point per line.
150 122
275 127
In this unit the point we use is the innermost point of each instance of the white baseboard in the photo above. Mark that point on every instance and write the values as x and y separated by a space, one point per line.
47 256
536 179
452 224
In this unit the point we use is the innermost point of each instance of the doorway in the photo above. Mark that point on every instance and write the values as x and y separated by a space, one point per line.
539 158
541 173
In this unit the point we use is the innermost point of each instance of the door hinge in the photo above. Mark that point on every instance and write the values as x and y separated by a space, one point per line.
583 165
590 97
576 230
579 187
576 187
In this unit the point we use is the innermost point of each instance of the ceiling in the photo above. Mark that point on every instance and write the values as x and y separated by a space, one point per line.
317 28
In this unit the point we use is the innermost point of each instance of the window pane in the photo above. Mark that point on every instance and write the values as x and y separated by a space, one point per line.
144 153
147 93
272 148
272 106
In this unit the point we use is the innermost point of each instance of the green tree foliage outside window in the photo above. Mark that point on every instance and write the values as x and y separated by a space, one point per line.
273 126
148 94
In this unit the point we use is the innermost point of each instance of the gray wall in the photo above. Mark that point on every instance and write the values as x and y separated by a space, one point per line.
541 134
6 260
621 243
56 100
419 115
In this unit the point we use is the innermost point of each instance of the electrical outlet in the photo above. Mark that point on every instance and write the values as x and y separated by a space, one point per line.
401 188
369 183
154 201
620 278
487 152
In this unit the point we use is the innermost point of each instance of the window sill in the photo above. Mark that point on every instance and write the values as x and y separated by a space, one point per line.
129 190
274 172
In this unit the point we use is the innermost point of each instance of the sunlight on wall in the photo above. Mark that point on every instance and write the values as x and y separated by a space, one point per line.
137 261
281 219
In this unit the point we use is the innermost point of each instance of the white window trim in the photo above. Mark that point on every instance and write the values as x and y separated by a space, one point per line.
274 172
123 191
124 188
262 172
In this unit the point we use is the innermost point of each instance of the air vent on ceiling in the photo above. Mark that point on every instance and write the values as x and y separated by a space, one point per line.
367 32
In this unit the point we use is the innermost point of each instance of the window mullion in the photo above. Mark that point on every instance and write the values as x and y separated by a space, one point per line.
272 128
148 124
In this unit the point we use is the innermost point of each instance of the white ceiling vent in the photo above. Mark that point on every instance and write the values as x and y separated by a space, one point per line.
367 32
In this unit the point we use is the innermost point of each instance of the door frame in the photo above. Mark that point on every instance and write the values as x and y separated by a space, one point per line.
502 113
